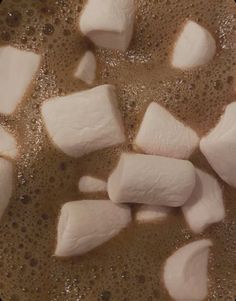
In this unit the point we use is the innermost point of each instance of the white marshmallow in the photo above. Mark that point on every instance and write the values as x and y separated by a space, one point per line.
90 184
219 146
84 225
194 47
108 23
151 180
84 122
6 184
86 70
148 214
161 134
205 205
18 68
8 144
185 272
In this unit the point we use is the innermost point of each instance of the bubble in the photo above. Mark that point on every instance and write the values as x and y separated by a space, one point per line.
48 29
13 18
5 36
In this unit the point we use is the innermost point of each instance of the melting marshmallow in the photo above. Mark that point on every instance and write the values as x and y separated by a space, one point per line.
84 122
108 23
84 225
161 134
148 214
18 68
86 70
151 180
205 205
219 146
6 184
8 145
194 47
185 272
90 184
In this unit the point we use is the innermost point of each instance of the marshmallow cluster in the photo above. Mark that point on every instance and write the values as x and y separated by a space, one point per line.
18 70
161 176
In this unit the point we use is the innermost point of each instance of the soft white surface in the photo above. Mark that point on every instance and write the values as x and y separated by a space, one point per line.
8 144
6 184
108 23
219 146
18 69
84 225
195 47
148 213
162 134
185 272
86 69
205 206
152 180
85 121
90 184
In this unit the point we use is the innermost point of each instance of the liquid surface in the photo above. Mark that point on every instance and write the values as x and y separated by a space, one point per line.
129 267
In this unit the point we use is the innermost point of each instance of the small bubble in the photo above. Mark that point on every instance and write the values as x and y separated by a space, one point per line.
5 36
30 30
13 18
25 199
105 296
33 262
48 29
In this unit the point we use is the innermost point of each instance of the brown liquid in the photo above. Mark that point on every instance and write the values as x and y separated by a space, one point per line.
129 267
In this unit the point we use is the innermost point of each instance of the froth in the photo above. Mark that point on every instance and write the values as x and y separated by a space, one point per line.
46 178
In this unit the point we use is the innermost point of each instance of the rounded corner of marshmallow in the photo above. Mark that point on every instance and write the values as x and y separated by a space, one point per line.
186 271
28 63
89 184
160 133
86 224
86 68
194 47
83 122
108 24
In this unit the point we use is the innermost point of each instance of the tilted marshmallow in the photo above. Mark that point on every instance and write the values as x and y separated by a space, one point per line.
219 146
195 47
161 134
84 225
6 184
108 23
185 272
148 213
206 205
84 122
18 68
90 184
86 70
151 180
8 144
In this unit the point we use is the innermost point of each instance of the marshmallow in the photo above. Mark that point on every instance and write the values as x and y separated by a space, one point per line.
205 205
194 47
185 272
84 122
84 225
86 70
219 146
108 23
18 68
8 145
151 180
6 184
161 134
90 184
148 214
